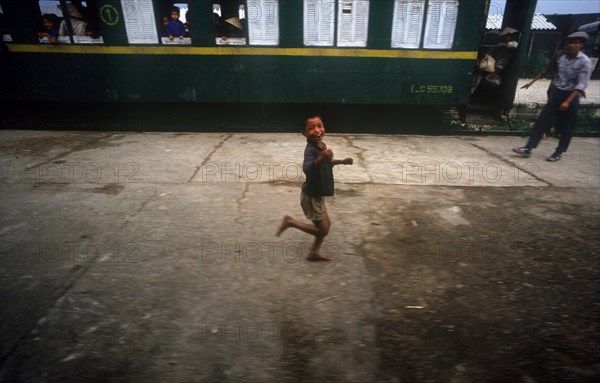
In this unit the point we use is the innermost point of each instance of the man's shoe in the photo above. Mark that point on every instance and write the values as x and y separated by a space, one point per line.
523 152
554 157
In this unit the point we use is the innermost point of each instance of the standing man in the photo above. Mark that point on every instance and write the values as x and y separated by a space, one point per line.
574 71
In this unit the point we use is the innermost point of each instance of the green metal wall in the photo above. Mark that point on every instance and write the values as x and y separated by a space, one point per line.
177 77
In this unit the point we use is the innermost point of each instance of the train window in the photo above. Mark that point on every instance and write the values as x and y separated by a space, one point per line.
319 22
228 16
176 25
139 21
441 23
77 23
407 23
4 31
52 18
353 23
263 22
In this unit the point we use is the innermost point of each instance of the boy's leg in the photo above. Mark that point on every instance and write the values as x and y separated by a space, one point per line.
291 222
313 209
323 229
319 230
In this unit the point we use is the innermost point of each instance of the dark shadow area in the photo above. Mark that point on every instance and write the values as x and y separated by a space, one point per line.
270 118
390 119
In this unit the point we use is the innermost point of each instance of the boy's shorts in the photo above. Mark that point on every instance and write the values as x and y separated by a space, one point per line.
313 207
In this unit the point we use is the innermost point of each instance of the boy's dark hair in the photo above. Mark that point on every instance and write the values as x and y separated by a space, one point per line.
175 9
309 115
52 17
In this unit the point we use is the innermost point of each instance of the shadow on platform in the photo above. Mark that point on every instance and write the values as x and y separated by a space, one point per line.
381 119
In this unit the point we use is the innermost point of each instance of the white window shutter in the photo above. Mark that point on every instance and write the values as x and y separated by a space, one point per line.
407 23
319 18
263 22
139 21
353 23
441 24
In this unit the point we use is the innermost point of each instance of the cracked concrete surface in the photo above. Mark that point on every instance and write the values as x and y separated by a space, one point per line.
152 257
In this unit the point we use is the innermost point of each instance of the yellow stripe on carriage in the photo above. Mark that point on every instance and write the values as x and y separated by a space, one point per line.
242 51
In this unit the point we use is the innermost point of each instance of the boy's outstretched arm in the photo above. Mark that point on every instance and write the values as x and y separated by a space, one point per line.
345 161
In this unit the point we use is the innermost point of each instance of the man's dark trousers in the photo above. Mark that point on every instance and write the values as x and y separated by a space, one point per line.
565 120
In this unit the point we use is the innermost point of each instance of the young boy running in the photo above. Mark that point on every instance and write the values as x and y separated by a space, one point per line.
318 168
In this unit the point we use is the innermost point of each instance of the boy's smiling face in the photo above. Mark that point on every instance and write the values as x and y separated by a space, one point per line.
48 24
314 130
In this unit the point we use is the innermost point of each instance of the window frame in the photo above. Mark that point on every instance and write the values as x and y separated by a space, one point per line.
139 37
269 15
427 24
332 12
443 14
364 14
71 38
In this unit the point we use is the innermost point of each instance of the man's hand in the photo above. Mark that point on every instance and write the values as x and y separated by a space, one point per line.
526 86
348 161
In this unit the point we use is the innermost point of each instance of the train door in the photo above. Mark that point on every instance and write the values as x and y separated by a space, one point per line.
501 56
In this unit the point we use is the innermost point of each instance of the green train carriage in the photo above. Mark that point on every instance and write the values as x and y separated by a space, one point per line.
399 52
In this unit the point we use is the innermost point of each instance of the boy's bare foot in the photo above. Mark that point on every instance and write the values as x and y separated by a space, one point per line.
312 256
285 223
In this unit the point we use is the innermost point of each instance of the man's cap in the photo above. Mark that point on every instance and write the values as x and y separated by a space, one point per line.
578 35
508 31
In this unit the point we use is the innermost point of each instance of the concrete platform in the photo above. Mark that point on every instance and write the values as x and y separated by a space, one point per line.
529 103
151 257
536 94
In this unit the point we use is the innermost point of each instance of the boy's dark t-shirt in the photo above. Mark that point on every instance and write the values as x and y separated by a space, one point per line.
175 28
319 179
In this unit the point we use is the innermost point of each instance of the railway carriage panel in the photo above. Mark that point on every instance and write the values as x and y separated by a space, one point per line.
300 51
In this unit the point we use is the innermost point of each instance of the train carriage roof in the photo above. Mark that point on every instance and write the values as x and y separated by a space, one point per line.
539 22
